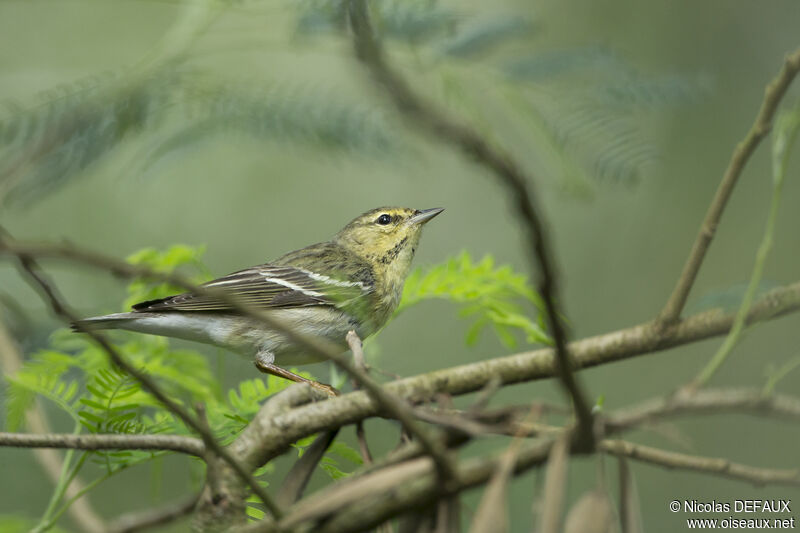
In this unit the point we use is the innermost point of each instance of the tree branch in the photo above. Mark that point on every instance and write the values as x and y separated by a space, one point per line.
175 443
132 522
508 173
773 94
707 465
703 402
398 409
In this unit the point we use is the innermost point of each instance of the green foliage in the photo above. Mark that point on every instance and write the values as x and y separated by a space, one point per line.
141 290
492 296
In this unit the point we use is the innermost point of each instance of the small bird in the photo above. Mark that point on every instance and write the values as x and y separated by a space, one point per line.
352 282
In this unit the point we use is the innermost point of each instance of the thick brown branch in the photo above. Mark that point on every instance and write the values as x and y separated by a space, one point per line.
775 91
175 443
508 173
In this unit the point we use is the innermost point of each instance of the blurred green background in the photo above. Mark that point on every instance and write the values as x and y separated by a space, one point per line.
620 241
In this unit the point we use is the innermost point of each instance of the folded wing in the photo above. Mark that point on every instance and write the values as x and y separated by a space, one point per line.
265 287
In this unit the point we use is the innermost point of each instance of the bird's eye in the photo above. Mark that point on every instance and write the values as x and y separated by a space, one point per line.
384 219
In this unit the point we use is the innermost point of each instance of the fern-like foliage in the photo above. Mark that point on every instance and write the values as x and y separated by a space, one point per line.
288 113
45 146
581 110
493 296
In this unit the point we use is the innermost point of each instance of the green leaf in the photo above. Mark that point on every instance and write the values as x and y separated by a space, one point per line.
491 295
345 452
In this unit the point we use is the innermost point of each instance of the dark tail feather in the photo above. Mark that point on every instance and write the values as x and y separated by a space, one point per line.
100 322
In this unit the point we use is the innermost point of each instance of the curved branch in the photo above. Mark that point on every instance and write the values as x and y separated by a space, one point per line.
131 522
706 401
773 94
175 443
508 173
706 465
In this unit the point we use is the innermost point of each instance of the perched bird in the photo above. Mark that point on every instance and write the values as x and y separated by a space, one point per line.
352 282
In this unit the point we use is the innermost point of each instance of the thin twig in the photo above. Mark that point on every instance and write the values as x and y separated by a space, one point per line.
783 139
708 465
398 408
710 401
132 522
30 267
773 94
298 477
211 460
174 443
509 174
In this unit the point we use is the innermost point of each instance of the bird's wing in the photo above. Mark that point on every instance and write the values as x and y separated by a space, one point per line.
264 287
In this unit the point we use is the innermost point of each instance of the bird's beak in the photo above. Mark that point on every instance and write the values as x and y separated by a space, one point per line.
421 217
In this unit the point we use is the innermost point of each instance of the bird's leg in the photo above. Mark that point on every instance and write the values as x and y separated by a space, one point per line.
264 365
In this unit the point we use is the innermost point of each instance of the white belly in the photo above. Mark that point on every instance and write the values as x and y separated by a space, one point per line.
244 335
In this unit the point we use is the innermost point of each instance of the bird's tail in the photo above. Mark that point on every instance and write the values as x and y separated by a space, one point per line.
113 321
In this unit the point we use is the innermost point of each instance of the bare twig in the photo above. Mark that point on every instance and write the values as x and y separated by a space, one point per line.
708 465
398 408
363 447
175 443
132 522
31 268
356 346
705 402
763 123
211 460
298 477
509 174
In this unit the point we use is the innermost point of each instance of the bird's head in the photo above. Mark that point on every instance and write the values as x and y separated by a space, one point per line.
387 237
